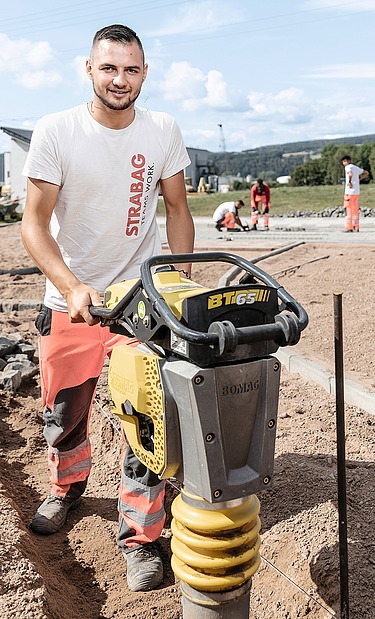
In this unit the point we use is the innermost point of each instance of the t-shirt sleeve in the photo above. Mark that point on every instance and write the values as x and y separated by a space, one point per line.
177 158
43 161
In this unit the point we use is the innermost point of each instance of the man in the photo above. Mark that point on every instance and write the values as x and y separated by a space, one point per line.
353 175
226 216
260 195
94 173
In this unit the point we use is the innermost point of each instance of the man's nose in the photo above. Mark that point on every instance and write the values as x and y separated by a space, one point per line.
119 80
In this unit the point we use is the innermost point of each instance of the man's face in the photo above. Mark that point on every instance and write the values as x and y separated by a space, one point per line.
345 162
117 73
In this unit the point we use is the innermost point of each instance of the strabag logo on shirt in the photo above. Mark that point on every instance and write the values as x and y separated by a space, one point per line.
138 192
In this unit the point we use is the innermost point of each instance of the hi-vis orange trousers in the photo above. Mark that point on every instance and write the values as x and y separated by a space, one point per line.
71 359
264 211
351 203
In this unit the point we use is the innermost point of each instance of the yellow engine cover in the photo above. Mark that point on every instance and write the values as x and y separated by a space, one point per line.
134 375
173 288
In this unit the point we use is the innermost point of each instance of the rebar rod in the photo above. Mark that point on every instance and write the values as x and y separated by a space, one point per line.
341 462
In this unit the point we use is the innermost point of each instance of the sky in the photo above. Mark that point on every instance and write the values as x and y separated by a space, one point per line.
268 72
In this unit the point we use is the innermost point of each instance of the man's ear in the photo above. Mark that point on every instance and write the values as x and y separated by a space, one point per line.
145 69
89 68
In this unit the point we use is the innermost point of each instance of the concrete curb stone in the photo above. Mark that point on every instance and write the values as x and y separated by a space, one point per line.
354 393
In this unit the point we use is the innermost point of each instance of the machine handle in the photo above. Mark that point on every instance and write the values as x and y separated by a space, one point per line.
115 312
285 330
159 303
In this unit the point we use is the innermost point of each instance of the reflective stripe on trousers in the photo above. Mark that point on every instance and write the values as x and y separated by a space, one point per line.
140 504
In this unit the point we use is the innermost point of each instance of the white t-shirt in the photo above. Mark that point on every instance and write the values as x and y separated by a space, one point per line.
104 218
222 209
356 171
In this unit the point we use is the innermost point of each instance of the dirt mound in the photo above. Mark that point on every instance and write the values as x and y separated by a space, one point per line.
78 573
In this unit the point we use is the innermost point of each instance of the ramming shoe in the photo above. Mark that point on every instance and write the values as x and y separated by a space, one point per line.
144 568
51 515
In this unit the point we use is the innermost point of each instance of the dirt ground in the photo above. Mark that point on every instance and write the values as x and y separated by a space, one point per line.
79 574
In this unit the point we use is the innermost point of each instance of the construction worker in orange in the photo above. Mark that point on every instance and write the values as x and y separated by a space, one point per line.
226 216
260 203
353 176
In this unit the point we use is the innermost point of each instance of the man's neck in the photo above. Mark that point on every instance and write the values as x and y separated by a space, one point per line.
113 119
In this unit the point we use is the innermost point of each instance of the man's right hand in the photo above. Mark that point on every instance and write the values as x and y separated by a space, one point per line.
79 299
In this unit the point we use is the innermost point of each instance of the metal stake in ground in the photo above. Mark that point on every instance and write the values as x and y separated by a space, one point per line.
341 464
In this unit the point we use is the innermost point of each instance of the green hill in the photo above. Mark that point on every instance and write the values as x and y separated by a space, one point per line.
269 162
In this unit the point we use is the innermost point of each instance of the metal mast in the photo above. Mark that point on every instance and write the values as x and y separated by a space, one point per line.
222 147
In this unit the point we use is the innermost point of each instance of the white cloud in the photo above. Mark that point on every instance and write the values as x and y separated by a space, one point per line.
193 89
39 79
288 116
26 62
287 106
183 82
38 55
344 71
17 54
190 18
217 95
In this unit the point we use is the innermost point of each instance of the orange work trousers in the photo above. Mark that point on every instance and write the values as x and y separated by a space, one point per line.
351 203
71 360
264 211
228 222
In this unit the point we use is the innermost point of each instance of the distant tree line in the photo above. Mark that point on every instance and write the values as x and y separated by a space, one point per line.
315 162
328 169
267 163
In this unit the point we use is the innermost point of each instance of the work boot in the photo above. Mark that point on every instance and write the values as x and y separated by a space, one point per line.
348 230
144 567
253 227
218 227
51 515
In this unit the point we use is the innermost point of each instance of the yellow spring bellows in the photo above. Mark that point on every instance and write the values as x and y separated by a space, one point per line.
215 550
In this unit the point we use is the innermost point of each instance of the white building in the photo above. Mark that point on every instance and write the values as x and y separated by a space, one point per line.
19 147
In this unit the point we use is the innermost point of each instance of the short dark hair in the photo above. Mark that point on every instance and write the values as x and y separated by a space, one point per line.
240 202
346 157
119 34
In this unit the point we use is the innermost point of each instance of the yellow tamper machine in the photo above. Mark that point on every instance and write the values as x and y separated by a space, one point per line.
198 401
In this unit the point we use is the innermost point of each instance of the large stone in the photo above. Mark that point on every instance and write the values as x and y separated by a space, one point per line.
27 368
35 304
15 357
10 380
16 336
7 346
26 349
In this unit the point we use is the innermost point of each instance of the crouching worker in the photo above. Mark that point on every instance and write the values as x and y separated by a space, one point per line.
85 236
260 203
226 216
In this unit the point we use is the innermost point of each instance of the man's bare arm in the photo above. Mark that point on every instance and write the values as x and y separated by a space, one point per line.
179 224
37 238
